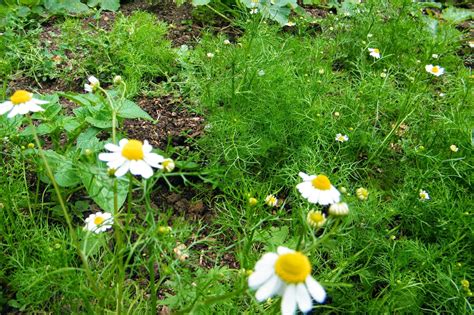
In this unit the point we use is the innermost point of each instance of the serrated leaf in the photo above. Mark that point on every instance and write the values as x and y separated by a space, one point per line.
66 175
88 140
129 109
71 123
457 15
100 188
42 129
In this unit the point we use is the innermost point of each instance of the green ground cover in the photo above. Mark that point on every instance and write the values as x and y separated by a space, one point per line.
273 101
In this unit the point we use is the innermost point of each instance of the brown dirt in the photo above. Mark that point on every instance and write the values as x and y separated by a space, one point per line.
175 124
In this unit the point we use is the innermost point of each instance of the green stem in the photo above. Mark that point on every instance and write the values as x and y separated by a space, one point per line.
63 206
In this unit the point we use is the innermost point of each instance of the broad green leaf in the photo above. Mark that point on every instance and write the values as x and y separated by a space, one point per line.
129 109
66 174
101 121
200 2
100 188
457 15
42 129
71 123
110 5
88 140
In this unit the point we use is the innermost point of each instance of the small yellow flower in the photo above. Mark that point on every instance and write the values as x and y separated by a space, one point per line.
339 209
453 148
362 193
434 70
253 201
31 145
342 138
271 201
316 218
164 229
424 195
168 165
374 52
465 284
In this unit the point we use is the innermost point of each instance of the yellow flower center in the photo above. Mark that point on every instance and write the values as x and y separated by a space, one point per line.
376 51
321 182
293 267
435 69
133 150
317 217
98 220
20 96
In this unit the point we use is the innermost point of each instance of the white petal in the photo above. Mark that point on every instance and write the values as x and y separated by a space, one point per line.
35 108
93 79
303 176
116 162
122 143
284 250
267 261
39 102
87 88
303 299
268 289
112 147
141 168
13 112
23 108
147 148
315 289
153 159
106 157
5 107
257 278
288 303
123 169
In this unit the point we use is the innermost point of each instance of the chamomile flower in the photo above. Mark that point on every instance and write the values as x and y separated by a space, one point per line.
424 195
286 273
168 165
253 11
210 55
342 138
471 43
271 201
434 70
21 103
318 189
133 156
93 86
374 52
339 209
362 193
454 148
99 222
316 218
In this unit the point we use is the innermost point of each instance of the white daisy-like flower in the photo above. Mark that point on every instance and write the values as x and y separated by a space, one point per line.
290 23
133 156
316 218
94 84
210 55
318 189
21 103
374 52
424 195
434 70
168 165
271 201
286 273
362 193
342 138
339 209
99 222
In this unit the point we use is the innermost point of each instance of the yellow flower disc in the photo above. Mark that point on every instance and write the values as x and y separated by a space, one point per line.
293 267
133 150
321 182
376 50
20 96
98 220
317 217
435 69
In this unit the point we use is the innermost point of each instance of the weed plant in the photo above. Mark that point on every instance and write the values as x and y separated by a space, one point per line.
274 102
